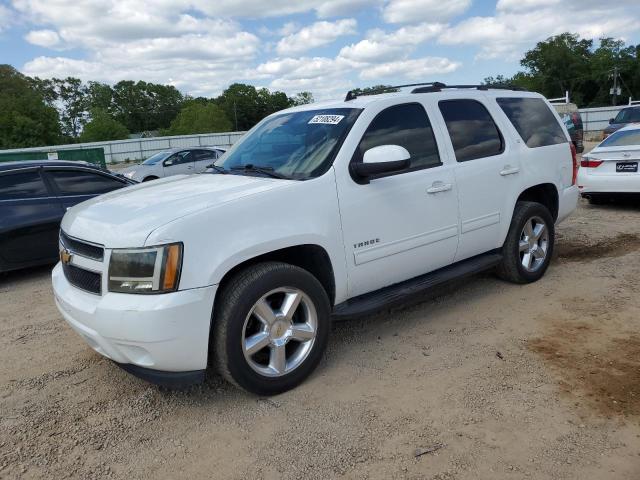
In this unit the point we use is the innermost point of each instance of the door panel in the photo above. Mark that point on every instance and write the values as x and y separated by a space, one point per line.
29 220
179 163
487 173
400 225
204 158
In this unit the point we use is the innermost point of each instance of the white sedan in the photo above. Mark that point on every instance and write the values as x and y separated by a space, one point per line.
174 162
611 168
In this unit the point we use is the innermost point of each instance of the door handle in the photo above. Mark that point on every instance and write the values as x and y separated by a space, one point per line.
509 170
437 187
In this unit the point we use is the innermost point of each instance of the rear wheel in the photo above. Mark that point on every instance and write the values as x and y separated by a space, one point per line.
529 244
271 327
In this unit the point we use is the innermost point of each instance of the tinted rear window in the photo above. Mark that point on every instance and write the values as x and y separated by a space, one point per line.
533 120
473 132
625 138
22 185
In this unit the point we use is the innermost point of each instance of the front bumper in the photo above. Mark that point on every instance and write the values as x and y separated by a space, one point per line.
154 333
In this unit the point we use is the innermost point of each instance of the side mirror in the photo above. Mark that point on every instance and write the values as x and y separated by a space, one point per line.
611 120
380 160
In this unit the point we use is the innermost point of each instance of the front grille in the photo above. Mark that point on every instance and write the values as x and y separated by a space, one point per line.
83 279
82 248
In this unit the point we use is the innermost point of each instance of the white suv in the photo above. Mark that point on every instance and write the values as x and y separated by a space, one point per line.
321 211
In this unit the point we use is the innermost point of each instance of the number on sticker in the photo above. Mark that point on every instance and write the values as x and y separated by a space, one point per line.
326 119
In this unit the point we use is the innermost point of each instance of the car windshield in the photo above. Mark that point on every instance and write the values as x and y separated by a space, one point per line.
628 115
624 138
296 145
153 159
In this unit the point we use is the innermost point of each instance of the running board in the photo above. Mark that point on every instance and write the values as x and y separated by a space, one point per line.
403 291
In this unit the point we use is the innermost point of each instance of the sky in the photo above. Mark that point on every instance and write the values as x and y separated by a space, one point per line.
323 46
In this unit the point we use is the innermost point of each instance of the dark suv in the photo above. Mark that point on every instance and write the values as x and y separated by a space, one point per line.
34 196
625 117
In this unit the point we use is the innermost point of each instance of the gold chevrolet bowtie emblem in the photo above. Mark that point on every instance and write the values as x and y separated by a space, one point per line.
65 256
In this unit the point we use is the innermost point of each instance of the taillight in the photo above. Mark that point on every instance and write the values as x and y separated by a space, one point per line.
588 163
574 158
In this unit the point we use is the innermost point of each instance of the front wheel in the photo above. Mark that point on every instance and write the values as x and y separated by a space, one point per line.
270 327
529 244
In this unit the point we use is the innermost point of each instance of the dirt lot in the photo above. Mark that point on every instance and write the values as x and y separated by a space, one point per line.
515 382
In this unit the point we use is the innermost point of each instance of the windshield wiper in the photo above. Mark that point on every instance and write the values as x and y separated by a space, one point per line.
218 169
249 167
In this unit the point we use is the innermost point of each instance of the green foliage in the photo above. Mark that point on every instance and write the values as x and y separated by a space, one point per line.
245 105
566 62
302 98
103 127
199 117
26 120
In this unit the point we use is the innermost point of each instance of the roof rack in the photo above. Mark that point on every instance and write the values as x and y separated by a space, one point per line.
428 88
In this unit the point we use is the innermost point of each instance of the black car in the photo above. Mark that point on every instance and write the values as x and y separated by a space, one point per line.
625 117
34 196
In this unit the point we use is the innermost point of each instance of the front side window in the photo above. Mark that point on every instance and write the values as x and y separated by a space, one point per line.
533 120
179 158
22 185
79 182
473 132
297 145
407 126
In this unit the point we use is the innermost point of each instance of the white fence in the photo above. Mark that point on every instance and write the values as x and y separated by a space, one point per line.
140 148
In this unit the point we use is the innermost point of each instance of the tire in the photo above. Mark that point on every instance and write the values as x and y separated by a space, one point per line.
148 179
513 267
251 306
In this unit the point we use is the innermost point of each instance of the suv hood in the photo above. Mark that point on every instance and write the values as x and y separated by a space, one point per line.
126 217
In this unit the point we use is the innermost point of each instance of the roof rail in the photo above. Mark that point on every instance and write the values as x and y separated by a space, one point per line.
429 87
560 100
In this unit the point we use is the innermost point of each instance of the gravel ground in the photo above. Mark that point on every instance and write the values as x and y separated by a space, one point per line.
510 382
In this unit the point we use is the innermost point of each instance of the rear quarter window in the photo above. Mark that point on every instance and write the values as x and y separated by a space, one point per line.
533 120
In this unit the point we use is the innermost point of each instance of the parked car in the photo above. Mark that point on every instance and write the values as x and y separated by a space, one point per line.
322 211
34 196
174 162
610 170
624 117
573 122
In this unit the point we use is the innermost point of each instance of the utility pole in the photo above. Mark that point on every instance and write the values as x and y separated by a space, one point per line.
616 90
235 113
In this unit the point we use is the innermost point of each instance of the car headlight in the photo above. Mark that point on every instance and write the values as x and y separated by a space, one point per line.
129 174
145 270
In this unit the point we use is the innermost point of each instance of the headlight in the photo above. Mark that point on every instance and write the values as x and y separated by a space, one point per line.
129 174
145 270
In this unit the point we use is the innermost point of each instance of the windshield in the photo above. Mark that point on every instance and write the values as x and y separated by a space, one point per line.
627 115
297 145
153 159
623 138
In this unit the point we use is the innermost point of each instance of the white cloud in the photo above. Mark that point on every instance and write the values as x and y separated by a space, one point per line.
336 8
315 35
382 46
413 69
6 17
517 27
43 38
414 11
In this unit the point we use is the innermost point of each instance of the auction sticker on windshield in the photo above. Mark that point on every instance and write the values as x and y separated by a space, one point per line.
326 119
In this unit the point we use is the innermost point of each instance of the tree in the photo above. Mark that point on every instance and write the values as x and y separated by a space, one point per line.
103 127
26 120
72 97
302 98
245 105
197 117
